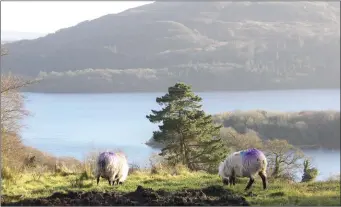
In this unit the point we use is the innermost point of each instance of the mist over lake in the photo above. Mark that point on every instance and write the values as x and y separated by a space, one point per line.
74 124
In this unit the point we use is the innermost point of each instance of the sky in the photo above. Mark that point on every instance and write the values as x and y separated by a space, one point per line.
50 16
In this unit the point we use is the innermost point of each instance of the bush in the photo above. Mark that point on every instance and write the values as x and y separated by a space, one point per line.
336 177
62 169
10 175
134 168
38 172
309 173
79 181
6 173
160 167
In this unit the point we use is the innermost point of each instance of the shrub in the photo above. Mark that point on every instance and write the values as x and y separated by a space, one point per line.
39 172
309 173
79 181
134 168
336 177
6 173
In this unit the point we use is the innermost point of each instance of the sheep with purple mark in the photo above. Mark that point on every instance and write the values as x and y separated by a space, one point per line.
245 163
112 166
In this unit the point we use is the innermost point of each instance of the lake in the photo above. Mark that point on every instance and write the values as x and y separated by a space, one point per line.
74 124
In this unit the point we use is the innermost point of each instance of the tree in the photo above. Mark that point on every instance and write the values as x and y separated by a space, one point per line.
309 173
232 138
12 102
12 106
187 133
12 112
283 157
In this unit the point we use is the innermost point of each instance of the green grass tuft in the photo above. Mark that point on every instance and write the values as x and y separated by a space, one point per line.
278 193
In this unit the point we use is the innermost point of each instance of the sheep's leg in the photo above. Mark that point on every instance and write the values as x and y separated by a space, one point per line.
113 179
98 179
250 183
110 182
225 181
264 180
233 179
116 179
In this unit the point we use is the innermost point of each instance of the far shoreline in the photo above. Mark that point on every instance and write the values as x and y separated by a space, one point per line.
196 91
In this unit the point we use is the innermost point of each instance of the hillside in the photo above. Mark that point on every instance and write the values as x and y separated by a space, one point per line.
11 36
213 46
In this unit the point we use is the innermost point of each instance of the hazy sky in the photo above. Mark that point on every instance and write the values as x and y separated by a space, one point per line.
48 16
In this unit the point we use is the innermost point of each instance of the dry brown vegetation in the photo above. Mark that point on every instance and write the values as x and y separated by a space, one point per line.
15 156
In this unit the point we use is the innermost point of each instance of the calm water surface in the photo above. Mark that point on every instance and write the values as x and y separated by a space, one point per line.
74 124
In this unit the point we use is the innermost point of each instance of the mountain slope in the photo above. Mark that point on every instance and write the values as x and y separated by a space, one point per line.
10 36
266 44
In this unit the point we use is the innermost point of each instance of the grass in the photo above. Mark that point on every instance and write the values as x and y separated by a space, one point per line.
278 193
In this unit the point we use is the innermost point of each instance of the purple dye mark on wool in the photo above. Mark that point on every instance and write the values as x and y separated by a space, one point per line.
251 155
102 157
253 152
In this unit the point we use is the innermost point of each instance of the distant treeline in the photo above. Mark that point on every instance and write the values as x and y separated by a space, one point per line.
303 129
202 77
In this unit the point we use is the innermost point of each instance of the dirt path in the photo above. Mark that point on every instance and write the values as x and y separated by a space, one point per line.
213 195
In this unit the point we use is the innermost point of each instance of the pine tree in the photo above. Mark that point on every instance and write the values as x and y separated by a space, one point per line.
188 134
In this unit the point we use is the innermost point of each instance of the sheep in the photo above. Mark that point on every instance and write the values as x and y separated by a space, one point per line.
112 166
245 163
122 176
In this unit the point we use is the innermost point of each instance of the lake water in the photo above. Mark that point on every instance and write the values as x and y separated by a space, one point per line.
74 124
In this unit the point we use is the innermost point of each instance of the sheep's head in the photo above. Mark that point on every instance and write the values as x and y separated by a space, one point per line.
225 181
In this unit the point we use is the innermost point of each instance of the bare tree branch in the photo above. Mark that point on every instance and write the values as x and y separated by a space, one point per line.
10 82
282 156
12 101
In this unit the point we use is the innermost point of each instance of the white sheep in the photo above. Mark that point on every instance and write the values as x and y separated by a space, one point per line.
245 163
113 167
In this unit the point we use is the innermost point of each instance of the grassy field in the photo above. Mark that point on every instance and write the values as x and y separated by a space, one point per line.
278 193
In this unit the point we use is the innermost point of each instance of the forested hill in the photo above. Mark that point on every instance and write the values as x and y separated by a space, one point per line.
317 129
211 45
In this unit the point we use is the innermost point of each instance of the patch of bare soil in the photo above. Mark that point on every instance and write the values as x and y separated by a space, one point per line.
210 196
